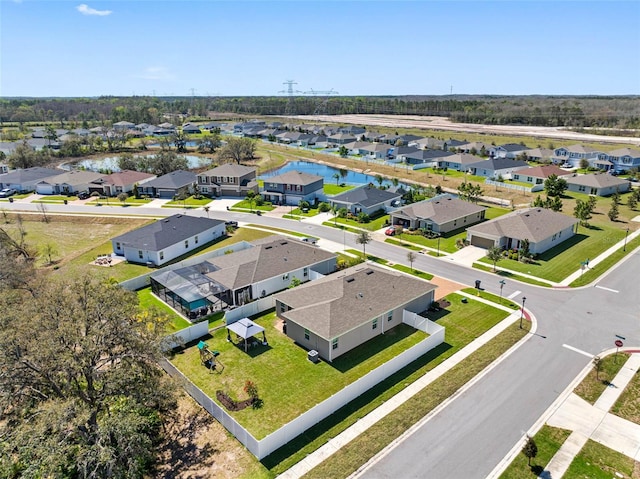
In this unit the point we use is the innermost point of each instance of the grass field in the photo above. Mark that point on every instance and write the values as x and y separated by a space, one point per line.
628 404
549 440
596 461
190 202
593 385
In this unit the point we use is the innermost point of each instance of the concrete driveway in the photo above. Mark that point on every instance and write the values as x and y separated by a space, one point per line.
467 255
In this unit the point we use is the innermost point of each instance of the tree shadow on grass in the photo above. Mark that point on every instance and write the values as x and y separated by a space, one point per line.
562 247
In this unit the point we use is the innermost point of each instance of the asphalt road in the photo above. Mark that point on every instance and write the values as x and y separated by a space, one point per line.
469 437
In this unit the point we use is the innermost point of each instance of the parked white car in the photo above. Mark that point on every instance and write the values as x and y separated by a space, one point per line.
5 193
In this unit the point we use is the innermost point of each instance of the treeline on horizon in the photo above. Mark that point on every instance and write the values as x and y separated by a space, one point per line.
617 112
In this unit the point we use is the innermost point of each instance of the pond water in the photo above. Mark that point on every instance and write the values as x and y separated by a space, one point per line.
327 172
111 163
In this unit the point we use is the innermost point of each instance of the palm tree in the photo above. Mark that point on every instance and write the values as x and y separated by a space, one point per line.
337 178
363 238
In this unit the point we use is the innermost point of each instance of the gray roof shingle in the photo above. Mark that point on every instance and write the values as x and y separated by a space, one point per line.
366 196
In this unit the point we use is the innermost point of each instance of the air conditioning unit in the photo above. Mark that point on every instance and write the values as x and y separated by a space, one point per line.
313 356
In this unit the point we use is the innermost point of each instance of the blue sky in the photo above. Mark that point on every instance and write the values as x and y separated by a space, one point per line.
145 47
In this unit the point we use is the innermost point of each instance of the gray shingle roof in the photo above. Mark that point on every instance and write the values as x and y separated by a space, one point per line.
29 175
499 164
270 257
175 179
534 224
229 169
294 178
340 302
166 232
440 210
598 181
366 196
75 177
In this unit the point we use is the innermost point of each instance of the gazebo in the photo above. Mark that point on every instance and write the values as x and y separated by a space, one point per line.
245 328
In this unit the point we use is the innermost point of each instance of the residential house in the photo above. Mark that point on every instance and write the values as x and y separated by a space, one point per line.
624 158
228 180
441 214
120 182
167 126
4 168
191 129
397 153
601 184
67 183
9 147
267 267
543 228
536 175
170 185
25 180
452 144
475 148
167 239
407 139
292 187
339 312
358 147
540 155
426 157
352 130
429 143
316 141
573 154
123 126
508 150
366 199
372 136
459 161
496 167
376 150
338 139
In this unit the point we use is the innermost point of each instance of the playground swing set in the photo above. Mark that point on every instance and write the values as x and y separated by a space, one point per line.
208 358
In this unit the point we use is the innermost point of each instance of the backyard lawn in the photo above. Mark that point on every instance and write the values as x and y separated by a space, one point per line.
331 189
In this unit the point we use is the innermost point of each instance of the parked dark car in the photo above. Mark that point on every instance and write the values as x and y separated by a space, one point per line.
233 224
83 195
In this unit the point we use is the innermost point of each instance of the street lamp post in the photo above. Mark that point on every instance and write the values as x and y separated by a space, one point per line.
522 311
625 240
438 246
502 282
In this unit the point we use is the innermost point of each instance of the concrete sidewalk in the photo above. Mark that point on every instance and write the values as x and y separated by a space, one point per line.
595 423
342 439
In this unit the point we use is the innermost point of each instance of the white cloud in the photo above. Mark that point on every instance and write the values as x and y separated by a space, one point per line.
87 10
155 73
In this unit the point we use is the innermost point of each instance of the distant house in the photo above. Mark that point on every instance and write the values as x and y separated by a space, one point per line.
540 155
25 180
67 183
228 180
543 228
573 154
339 312
358 147
430 143
426 157
269 266
169 185
400 152
495 167
352 130
599 184
340 139
624 158
508 150
167 239
536 175
119 182
474 148
441 214
123 126
4 168
378 151
366 199
292 187
459 161
191 129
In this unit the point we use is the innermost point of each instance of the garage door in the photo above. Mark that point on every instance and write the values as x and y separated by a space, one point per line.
482 242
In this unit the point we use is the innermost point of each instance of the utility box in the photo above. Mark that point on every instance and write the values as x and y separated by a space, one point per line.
313 356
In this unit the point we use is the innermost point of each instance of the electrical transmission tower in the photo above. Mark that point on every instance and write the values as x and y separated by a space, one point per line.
324 95
290 108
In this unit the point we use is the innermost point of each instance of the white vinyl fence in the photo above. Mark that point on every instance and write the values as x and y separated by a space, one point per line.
249 309
187 335
263 447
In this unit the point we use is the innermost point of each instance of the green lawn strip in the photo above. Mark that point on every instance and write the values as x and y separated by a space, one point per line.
597 461
342 227
330 189
446 244
177 206
457 174
492 297
594 384
628 404
55 199
414 272
564 259
278 230
508 274
365 446
308 214
549 440
283 373
373 225
191 201
594 272
148 300
244 205
396 242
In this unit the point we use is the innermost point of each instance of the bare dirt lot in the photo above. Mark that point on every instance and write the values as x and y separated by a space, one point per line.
441 123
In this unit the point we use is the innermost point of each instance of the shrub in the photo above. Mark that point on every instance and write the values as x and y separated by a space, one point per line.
324 207
363 217
258 200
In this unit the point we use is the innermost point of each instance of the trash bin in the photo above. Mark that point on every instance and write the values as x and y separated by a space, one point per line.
10 200
313 356
477 284
65 202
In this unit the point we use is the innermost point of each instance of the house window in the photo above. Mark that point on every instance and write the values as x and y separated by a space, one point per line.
117 245
334 343
516 177
306 334
305 272
374 324
196 239
529 179
186 243
559 234
581 188
161 255
554 237
205 189
140 253
389 315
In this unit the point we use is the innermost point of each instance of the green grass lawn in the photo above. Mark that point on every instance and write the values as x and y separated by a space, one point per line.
283 373
148 300
403 244
594 272
308 214
509 275
190 202
594 384
492 297
373 225
331 189
457 174
564 259
549 440
628 404
596 461
55 199
245 205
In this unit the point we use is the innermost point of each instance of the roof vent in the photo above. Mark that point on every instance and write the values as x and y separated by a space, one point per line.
284 243
369 272
350 280
360 295
268 247
166 221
